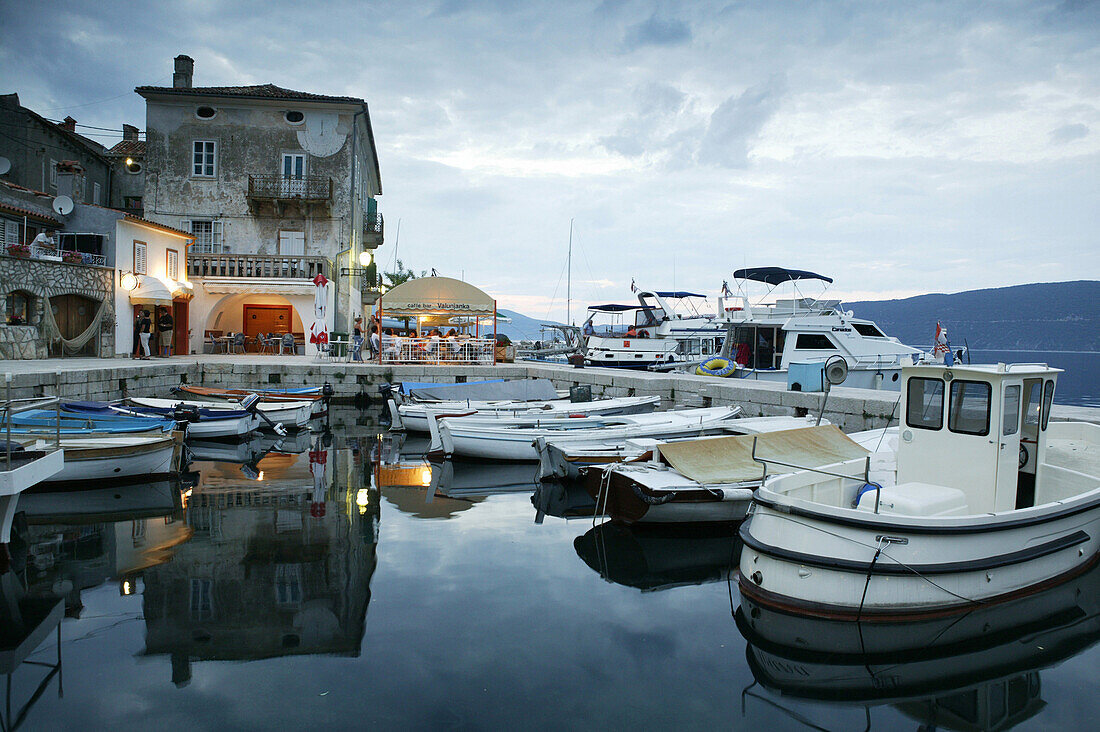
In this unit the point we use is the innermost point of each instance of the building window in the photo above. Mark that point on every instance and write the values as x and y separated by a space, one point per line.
203 158
9 232
208 236
19 308
53 173
202 603
141 258
97 194
133 167
294 117
172 264
206 113
292 243
131 202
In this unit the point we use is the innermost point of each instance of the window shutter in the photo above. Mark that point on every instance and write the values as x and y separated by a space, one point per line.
10 231
172 265
216 236
140 259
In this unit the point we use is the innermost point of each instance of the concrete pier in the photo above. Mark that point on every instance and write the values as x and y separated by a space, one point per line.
105 379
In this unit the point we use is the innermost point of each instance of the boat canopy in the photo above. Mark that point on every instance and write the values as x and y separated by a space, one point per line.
613 308
678 294
777 275
730 459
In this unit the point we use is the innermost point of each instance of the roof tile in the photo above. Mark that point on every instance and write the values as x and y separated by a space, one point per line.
255 91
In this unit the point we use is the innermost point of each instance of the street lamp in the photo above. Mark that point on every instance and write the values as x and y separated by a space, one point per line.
365 258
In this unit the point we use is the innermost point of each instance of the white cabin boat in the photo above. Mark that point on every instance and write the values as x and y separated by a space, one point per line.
978 497
415 417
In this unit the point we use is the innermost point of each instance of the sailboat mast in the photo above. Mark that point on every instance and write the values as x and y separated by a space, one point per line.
569 279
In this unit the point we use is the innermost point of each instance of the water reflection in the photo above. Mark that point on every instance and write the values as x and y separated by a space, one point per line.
277 565
979 670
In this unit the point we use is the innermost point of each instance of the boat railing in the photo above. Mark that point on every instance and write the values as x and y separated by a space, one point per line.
866 477
10 407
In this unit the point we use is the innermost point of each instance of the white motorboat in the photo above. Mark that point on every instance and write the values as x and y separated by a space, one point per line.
977 498
705 480
114 457
289 414
565 458
514 439
25 469
415 417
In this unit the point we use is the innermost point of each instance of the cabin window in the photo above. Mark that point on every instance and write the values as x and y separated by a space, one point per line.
1011 411
814 342
1034 402
970 402
1048 398
869 330
924 404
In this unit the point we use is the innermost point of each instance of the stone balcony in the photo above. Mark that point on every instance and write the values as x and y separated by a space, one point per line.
257 266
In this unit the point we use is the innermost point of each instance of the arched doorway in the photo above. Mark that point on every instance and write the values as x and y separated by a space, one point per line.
73 314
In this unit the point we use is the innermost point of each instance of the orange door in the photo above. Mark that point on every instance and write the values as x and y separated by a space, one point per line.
265 319
180 333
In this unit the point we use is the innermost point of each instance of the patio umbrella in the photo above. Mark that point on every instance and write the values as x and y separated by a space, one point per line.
318 332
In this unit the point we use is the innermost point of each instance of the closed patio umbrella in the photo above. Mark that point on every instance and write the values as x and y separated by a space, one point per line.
318 332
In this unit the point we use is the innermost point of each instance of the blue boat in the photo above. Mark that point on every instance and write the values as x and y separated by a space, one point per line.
201 423
129 411
43 421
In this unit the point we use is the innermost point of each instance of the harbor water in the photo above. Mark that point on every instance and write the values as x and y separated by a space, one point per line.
1078 386
338 580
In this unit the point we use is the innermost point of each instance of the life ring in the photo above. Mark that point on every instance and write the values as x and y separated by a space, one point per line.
717 367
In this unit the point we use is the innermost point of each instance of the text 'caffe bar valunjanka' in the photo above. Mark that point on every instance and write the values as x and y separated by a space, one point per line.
435 320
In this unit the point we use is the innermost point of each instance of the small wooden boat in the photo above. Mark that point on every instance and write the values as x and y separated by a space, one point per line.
313 394
290 414
707 480
415 417
202 423
114 457
45 421
564 458
515 438
976 498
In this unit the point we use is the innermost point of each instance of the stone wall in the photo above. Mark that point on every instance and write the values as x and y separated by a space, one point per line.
44 279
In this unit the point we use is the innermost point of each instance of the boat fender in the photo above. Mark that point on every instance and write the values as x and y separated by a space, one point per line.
717 367
866 488
652 500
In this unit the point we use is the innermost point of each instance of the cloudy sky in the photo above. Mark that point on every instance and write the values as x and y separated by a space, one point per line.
900 147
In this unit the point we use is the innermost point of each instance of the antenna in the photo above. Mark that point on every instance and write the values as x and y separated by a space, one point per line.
569 279
63 205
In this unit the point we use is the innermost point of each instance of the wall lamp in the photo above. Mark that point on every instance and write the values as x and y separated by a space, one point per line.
127 281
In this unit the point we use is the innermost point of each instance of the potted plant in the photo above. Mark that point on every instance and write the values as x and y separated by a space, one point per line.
72 257
19 250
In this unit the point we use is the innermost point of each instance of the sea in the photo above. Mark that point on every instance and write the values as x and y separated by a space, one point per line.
1079 386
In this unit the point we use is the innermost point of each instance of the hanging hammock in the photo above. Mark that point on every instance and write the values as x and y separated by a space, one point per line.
72 345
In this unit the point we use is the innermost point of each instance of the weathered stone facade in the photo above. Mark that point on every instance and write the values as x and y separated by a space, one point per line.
45 279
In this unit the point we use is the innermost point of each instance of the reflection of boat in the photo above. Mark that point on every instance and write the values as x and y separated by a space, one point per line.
481 479
977 497
25 623
658 558
225 452
977 671
102 505
566 499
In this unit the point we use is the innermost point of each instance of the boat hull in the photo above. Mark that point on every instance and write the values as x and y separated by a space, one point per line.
86 464
212 429
414 418
823 563
628 499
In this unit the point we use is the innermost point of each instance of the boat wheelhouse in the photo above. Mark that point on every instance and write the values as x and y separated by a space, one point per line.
976 497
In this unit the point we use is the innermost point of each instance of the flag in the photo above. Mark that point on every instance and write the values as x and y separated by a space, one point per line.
726 289
633 287
941 349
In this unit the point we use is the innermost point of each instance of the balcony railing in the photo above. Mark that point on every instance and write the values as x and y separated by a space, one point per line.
283 188
257 265
51 254
373 229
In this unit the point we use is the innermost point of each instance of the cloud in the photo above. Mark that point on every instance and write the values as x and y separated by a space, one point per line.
655 31
738 120
1068 133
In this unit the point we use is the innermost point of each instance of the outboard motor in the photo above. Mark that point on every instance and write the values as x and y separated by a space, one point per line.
186 413
327 391
249 403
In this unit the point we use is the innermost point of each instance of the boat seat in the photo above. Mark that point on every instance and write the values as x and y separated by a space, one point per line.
916 499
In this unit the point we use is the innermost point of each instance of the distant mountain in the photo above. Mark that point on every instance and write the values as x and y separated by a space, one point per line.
1049 316
522 327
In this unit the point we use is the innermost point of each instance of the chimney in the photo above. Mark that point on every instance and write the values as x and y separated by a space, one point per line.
129 132
68 124
185 69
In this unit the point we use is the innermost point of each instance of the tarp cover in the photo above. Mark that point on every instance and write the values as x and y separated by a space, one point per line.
523 390
729 459
777 275
408 386
427 295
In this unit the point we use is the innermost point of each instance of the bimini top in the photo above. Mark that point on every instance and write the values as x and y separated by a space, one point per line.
436 296
678 293
777 275
612 308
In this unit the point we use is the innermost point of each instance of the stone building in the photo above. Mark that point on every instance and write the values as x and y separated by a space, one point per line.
36 149
277 186
128 172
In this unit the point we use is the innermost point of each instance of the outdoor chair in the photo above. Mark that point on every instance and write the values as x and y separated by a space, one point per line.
239 342
267 342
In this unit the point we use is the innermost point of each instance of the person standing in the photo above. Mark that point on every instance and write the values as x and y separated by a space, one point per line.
357 340
145 330
135 350
165 324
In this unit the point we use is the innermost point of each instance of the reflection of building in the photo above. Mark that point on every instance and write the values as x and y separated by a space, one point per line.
276 567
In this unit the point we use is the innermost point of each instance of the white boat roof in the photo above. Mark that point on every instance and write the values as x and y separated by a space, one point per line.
984 370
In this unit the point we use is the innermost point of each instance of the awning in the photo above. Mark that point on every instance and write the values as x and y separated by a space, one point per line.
678 294
777 275
157 291
436 296
729 459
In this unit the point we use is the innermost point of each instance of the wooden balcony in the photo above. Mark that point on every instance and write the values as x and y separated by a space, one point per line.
279 192
258 265
373 230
